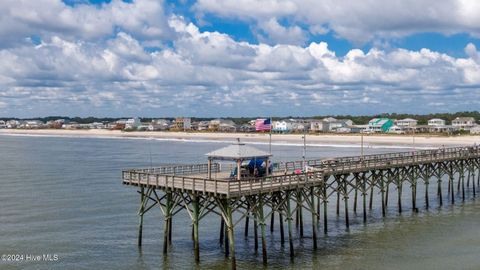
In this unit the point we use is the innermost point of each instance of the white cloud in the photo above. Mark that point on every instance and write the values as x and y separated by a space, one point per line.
211 74
273 32
358 21
19 20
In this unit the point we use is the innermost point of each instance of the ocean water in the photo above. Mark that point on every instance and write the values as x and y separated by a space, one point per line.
63 196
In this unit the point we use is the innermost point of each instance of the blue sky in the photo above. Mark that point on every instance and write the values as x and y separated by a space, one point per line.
238 58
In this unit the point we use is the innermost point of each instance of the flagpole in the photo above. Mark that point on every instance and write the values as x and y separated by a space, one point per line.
270 140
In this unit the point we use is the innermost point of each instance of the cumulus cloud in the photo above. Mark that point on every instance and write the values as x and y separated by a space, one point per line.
211 74
357 21
19 20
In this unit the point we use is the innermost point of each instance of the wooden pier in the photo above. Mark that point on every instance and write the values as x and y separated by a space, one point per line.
294 187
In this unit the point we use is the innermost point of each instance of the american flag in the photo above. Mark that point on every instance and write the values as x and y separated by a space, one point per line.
263 125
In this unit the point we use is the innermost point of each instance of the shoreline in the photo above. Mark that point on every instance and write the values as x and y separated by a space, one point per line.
369 139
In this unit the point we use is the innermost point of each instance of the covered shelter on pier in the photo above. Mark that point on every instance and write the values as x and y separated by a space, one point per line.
238 153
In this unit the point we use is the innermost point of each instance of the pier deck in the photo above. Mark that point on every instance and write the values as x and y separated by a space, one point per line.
297 186
194 177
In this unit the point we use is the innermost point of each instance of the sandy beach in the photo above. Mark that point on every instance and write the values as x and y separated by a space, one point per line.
330 139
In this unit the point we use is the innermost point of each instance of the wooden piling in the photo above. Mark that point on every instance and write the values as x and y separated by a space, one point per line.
300 211
247 220
222 230
166 229
142 208
289 225
314 218
282 233
355 196
272 221
399 189
364 197
231 234
255 231
382 187
325 205
261 218
345 197
196 217
439 189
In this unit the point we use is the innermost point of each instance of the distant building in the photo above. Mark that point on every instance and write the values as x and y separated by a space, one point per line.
464 123
436 122
246 128
407 122
158 124
319 126
330 124
97 125
379 125
3 124
475 130
224 125
182 124
32 124
203 125
282 126
396 129
132 123
12 124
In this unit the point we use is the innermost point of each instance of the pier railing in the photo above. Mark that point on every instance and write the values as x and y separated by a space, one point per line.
181 169
180 177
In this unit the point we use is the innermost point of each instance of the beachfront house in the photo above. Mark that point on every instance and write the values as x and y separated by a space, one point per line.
223 125
182 123
475 130
436 122
282 126
12 124
203 125
246 128
463 123
396 129
379 125
32 124
158 124
407 122
319 126
132 123
3 124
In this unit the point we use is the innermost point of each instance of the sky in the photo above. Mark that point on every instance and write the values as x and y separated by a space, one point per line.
220 58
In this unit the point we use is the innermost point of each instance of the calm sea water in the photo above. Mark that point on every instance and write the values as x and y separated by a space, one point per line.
64 196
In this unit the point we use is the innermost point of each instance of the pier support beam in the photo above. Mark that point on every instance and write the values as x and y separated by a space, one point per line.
195 217
231 234
166 228
314 218
289 225
140 213
282 232
325 205
261 219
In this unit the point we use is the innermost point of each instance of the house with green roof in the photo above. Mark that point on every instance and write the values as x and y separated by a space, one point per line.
379 125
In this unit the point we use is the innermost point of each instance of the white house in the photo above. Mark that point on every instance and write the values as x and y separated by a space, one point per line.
12 124
436 122
407 122
319 126
463 122
132 123
33 124
396 129
475 130
281 126
3 124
